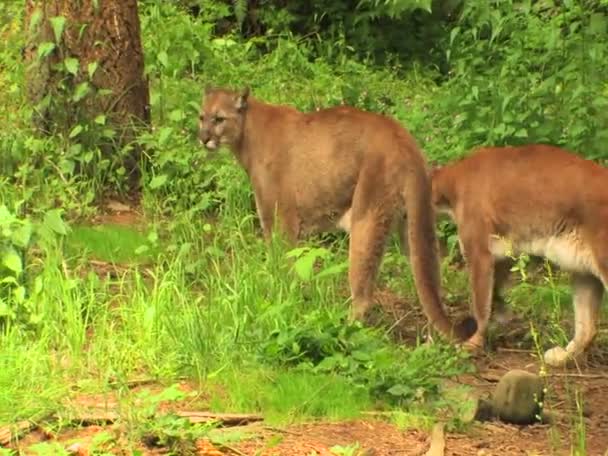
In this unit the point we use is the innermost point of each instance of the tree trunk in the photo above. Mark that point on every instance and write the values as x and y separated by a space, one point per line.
85 66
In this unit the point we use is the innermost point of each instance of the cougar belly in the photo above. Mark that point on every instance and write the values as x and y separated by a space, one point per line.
324 207
568 250
323 221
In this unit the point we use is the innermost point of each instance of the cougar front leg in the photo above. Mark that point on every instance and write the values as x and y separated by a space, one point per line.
273 204
588 292
366 246
265 211
481 276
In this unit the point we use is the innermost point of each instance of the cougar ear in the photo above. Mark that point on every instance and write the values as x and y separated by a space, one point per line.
241 100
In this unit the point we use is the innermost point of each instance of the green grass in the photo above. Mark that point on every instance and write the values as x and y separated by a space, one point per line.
111 243
285 396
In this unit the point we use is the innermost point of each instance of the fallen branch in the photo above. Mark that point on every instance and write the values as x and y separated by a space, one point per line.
514 350
282 431
12 432
228 419
577 375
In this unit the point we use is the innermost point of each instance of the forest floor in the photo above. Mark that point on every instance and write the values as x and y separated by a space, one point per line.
577 402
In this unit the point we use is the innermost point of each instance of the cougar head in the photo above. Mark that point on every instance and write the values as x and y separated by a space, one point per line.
222 117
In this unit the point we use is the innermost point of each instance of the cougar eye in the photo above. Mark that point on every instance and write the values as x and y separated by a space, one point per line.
218 119
201 117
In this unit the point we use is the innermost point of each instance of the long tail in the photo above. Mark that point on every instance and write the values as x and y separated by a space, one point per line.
424 257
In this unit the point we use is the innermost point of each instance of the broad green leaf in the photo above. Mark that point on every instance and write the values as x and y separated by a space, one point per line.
81 91
91 69
5 215
100 119
304 266
45 49
12 260
54 222
72 65
334 269
177 115
67 166
19 294
22 235
58 25
35 19
164 135
400 390
163 58
76 131
158 181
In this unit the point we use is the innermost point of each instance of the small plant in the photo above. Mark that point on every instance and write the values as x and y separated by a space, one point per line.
349 450
364 356
167 429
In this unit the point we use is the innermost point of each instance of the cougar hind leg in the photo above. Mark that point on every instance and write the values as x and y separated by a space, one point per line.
367 241
500 311
371 218
481 276
588 292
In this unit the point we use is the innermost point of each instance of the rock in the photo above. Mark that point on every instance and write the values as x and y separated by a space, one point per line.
518 397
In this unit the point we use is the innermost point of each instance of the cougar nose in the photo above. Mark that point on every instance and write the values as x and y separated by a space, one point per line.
203 136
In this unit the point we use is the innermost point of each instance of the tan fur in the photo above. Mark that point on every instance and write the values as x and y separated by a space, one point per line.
334 168
539 200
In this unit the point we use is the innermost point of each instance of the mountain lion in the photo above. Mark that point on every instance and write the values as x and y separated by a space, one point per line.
335 168
535 199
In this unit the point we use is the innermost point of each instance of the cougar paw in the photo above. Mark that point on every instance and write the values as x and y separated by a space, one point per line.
355 315
556 357
474 344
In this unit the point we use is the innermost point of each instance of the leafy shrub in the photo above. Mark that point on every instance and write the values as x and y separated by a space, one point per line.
524 72
17 236
363 355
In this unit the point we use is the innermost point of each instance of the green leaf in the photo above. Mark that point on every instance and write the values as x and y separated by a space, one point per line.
100 119
12 260
158 181
598 24
67 166
163 58
5 311
91 69
5 215
54 222
76 131
45 49
19 294
35 19
164 135
58 25
400 390
334 269
304 266
22 235
71 65
81 91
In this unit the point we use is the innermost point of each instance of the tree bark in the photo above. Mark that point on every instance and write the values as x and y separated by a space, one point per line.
106 84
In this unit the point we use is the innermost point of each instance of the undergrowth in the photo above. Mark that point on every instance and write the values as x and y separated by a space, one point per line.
193 291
